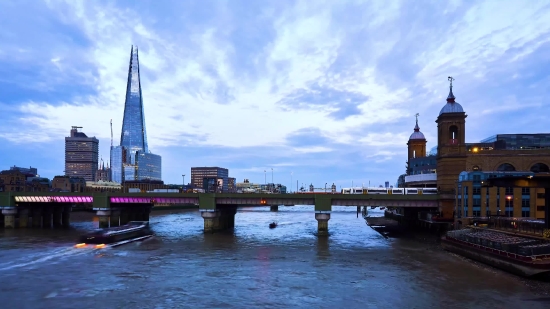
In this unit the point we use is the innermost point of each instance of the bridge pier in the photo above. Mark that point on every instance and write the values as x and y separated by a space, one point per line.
23 217
114 219
219 219
37 217
103 218
274 208
66 217
57 216
322 223
46 217
9 217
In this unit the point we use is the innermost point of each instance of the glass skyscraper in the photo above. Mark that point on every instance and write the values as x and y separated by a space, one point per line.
132 159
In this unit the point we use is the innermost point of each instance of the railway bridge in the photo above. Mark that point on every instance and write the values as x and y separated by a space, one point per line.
47 209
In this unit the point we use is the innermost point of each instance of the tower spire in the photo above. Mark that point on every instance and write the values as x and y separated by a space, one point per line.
416 127
451 97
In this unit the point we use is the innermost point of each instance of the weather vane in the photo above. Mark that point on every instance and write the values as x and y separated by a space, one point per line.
450 78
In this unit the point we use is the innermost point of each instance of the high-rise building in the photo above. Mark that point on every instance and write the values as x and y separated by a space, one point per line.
132 160
81 155
206 177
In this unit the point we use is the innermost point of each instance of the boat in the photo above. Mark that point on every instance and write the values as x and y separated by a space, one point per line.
523 256
134 230
272 225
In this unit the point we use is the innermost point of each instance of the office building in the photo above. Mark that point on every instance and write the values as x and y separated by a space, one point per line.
210 178
132 160
475 200
81 155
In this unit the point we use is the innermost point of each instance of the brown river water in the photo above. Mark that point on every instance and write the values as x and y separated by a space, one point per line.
251 267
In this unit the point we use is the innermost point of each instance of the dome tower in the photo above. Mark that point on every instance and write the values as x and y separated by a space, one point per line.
416 145
451 150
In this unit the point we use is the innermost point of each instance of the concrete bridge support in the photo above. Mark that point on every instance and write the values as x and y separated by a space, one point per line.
103 218
37 217
47 217
9 218
274 208
23 218
57 216
114 219
66 217
322 223
219 219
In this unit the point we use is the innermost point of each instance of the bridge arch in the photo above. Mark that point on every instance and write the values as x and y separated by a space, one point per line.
539 168
506 167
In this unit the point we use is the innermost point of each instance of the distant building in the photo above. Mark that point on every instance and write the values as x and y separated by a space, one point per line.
68 184
103 173
81 155
209 177
103 186
29 172
144 185
231 184
12 181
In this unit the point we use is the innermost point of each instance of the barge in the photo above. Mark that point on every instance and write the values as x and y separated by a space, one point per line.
522 256
134 230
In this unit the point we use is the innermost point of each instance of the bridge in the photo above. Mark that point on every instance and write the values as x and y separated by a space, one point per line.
47 209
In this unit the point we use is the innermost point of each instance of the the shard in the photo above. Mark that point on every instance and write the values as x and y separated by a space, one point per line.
134 135
132 161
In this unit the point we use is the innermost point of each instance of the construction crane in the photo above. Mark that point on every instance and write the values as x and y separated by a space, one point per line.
111 132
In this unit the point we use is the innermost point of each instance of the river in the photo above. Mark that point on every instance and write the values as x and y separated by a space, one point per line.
252 267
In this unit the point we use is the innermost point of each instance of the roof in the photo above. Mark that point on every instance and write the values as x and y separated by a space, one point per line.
451 106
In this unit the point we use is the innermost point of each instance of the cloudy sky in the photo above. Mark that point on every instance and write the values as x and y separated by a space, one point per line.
325 90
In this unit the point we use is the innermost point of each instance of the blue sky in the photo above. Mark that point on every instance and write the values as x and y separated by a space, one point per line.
325 90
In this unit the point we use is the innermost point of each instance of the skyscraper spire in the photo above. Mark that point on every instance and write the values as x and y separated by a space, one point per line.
134 134
451 97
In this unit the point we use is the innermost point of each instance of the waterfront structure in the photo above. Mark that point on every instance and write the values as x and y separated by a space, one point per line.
210 178
103 186
132 160
476 200
452 155
81 155
231 185
12 181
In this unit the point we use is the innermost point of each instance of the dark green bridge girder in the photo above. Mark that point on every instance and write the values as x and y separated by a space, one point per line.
322 202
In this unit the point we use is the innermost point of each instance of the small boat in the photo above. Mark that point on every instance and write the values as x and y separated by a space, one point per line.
134 230
272 225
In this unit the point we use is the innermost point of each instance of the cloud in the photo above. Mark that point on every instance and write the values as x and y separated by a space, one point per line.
324 88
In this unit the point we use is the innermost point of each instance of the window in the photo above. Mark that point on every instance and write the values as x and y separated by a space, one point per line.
525 202
540 208
476 190
525 191
476 202
540 195
509 191
477 213
525 214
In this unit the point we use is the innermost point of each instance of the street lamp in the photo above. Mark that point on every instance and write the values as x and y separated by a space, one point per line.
183 184
265 178
325 187
290 187
272 176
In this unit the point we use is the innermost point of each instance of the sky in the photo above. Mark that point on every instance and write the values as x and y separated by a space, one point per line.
307 91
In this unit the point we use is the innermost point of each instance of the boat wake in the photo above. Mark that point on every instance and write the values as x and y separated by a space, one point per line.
39 258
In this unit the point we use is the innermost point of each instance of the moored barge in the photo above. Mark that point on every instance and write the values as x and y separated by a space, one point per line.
522 256
134 230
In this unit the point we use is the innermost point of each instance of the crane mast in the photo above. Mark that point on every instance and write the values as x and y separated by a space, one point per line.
111 132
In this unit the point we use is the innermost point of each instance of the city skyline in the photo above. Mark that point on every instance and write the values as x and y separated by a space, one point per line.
327 92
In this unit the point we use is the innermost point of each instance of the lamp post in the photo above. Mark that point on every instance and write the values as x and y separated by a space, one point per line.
325 187
265 178
290 187
272 176
183 184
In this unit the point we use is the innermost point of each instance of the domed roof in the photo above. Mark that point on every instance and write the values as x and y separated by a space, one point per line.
451 106
417 134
